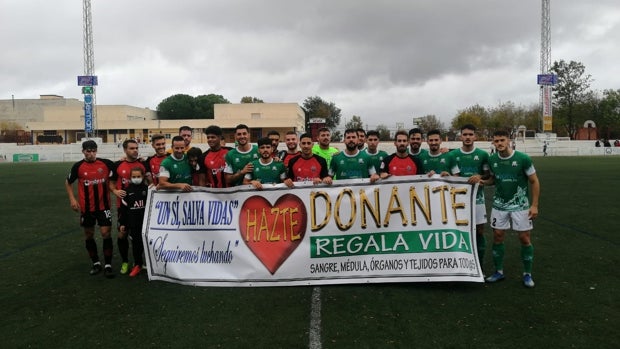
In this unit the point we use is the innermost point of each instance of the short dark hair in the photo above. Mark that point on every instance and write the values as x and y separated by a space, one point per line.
264 141
213 130
468 127
414 130
194 152
400 133
89 144
127 141
155 138
350 130
359 129
501 133
242 126
178 139
137 168
324 129
433 132
291 132
306 135
185 128
273 133
372 133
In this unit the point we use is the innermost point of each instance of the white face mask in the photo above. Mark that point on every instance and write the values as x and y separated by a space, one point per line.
136 180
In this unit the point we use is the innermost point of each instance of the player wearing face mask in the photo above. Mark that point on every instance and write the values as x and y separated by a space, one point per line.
132 215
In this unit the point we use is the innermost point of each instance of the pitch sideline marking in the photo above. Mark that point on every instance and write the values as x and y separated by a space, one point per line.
315 319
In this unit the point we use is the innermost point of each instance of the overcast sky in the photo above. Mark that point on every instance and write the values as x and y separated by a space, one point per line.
385 61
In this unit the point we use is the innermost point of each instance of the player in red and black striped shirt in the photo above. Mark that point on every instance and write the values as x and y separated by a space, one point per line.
158 142
93 203
119 182
308 167
213 161
400 163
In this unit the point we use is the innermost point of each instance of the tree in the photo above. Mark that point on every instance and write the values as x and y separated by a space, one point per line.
315 107
475 115
248 99
354 123
609 111
182 106
179 106
384 133
430 122
571 89
204 105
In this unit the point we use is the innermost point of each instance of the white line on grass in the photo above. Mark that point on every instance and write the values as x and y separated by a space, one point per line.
315 319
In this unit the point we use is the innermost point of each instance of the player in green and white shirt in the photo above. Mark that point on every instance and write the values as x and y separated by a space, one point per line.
434 161
266 170
352 163
376 156
415 144
174 171
514 176
239 160
474 164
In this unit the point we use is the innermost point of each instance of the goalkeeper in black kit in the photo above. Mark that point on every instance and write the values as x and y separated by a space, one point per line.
131 216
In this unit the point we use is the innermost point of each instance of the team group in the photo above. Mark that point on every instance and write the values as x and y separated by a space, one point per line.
182 167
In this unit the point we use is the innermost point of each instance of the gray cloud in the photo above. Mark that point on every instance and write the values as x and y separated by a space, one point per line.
388 60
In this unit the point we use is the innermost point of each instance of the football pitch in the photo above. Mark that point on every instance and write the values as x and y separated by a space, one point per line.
48 300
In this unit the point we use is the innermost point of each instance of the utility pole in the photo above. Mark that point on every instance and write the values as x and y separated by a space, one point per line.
89 80
546 84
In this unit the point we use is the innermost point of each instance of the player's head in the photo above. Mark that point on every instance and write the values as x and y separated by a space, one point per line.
158 142
350 139
401 141
178 146
264 147
214 136
130 146
186 133
137 175
306 144
361 138
89 149
433 138
193 154
372 139
325 136
415 139
501 141
274 136
242 134
468 134
290 139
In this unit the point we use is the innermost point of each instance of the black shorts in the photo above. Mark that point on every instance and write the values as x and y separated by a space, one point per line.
103 218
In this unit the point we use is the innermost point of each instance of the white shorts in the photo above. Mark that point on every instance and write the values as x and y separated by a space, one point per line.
520 220
481 214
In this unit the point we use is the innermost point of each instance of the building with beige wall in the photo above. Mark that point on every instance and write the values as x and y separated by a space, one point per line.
52 116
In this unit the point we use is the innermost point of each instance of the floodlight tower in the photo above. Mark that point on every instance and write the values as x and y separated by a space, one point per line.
545 64
89 85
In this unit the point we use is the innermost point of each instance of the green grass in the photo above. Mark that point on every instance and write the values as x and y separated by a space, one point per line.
49 300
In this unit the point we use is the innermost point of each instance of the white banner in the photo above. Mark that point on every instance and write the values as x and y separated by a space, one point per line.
402 229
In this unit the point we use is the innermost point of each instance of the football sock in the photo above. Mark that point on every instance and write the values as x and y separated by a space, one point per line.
527 255
481 244
123 248
91 247
137 248
108 250
498 256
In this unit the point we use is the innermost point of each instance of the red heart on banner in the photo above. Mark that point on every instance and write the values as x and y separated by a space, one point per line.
272 232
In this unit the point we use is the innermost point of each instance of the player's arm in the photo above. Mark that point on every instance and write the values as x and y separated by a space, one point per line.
535 192
75 206
165 184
